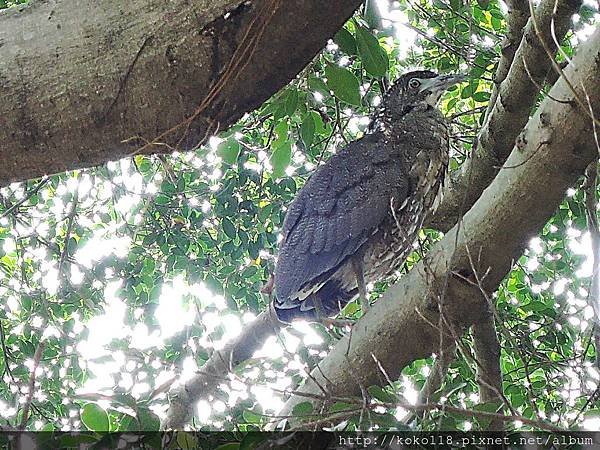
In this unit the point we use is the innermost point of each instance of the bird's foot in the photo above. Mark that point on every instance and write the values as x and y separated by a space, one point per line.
268 287
365 305
337 323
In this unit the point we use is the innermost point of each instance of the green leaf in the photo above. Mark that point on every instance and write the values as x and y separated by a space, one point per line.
481 96
291 102
187 441
345 41
281 131
94 417
229 446
317 84
341 406
229 228
319 125
351 308
162 200
251 440
490 407
307 130
148 266
251 417
229 150
302 409
343 83
280 159
148 420
372 55
381 395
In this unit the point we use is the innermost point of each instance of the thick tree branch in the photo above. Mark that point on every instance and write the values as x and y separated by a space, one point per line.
398 329
79 92
508 114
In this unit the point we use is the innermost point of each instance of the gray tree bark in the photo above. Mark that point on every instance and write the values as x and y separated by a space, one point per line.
88 81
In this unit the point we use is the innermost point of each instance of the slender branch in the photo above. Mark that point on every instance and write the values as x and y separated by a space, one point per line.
351 412
487 351
590 187
31 385
433 383
220 363
518 15
26 197
550 53
70 221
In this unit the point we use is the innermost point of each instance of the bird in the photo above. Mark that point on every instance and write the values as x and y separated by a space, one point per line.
355 219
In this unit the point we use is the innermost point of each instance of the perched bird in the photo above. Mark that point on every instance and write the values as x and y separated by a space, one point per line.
356 218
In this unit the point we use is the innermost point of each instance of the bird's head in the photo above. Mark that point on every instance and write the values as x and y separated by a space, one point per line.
417 90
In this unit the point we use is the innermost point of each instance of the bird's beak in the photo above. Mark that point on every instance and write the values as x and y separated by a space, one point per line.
442 82
436 86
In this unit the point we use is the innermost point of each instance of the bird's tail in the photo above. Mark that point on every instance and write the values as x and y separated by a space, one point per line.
333 299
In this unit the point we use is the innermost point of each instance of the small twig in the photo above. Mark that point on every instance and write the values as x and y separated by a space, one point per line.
589 187
557 67
26 197
70 221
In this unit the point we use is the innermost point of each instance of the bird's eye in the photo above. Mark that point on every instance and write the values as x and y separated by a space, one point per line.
414 83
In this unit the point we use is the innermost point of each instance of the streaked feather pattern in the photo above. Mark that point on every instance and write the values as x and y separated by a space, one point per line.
344 209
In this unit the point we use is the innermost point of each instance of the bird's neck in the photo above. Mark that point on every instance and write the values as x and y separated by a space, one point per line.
387 119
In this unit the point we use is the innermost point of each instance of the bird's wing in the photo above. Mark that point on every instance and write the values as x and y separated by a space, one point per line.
340 206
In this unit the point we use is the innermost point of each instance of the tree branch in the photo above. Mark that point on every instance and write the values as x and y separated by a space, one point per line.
508 114
518 14
215 370
433 383
31 385
590 186
487 352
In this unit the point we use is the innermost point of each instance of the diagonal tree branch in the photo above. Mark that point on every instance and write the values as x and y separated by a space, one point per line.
507 116
215 370
590 187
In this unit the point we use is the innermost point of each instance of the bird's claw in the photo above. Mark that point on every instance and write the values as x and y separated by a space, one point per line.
338 323
365 306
